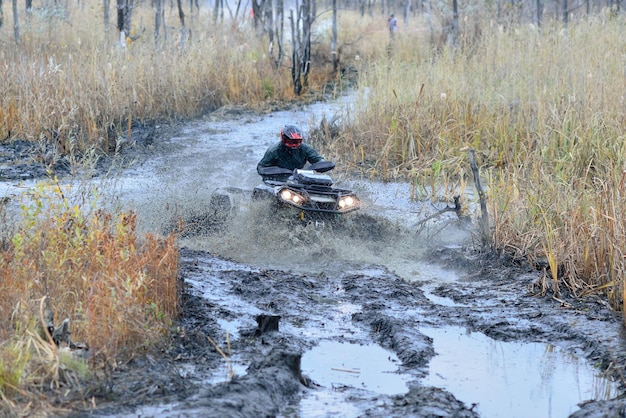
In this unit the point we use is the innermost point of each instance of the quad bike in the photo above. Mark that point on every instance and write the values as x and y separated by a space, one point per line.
307 192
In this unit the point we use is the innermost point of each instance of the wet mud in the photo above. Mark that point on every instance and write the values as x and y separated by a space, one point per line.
244 332
260 295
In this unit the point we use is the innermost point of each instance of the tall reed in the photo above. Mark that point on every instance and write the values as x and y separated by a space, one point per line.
544 110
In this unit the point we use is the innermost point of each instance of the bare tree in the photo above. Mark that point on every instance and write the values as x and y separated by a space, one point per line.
124 19
1 15
193 4
362 7
455 22
539 12
124 22
333 41
260 14
238 9
295 61
407 12
159 19
276 31
106 4
183 29
16 23
218 11
301 46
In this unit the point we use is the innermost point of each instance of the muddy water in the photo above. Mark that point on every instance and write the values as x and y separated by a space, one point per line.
512 379
211 155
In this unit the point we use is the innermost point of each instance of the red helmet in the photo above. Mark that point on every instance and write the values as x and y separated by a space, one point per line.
291 136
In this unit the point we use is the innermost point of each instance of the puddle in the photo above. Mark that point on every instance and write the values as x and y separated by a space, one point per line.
511 379
337 366
334 364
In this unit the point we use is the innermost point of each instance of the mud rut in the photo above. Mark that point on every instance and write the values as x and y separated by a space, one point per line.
250 312
264 319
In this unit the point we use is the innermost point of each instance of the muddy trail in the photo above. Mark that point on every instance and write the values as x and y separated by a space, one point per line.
368 316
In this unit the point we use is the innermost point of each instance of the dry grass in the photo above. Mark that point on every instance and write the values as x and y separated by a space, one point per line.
544 112
70 82
67 257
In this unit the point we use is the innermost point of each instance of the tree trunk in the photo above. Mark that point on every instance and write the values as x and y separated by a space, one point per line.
276 32
257 12
28 6
455 22
183 29
539 12
565 13
273 18
216 5
333 42
484 218
301 46
295 61
16 23
124 10
158 13
306 39
192 4
431 29
237 9
105 4
1 15
407 13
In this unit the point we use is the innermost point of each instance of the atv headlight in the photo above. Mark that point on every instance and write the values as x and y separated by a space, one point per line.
292 197
286 194
347 202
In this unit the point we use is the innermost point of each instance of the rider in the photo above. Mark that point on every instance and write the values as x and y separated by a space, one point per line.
290 153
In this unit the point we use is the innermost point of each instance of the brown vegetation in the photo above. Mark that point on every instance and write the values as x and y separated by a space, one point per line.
68 260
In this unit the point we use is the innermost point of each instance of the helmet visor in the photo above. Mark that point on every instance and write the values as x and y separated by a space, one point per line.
292 143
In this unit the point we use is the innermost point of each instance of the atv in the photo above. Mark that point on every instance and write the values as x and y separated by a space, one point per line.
307 192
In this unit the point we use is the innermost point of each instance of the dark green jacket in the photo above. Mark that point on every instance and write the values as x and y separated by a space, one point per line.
280 156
